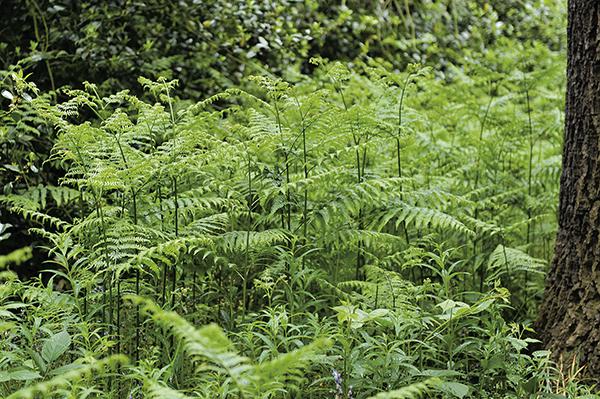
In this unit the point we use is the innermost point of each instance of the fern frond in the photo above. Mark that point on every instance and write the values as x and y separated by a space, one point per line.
47 388
41 218
413 391
505 260
274 373
155 390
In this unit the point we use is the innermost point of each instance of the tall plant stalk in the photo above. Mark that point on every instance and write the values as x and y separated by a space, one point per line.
249 201
176 221
529 174
399 148
482 126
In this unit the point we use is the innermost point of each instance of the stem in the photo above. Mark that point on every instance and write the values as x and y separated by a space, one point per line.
247 249
359 179
530 167
174 268
38 12
164 276
481 130
137 285
305 169
398 150
287 192
287 207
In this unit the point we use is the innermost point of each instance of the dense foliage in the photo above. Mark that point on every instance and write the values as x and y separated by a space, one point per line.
284 225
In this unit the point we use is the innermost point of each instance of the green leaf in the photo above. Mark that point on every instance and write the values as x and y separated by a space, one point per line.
454 388
480 307
65 369
39 362
7 94
12 168
440 373
413 391
493 363
24 375
55 346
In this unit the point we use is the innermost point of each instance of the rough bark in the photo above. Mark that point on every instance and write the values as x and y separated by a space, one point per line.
569 321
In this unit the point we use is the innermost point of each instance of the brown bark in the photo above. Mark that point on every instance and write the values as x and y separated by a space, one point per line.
569 321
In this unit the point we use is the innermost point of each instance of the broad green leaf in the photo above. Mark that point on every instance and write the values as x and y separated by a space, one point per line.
440 373
24 375
65 369
55 346
454 388
12 168
37 358
7 94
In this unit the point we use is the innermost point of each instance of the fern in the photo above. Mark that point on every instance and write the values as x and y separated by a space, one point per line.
505 261
413 391
155 390
210 344
62 382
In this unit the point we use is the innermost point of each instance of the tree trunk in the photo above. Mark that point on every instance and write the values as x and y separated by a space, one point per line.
569 321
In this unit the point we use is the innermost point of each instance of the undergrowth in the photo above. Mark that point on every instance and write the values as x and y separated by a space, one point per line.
360 233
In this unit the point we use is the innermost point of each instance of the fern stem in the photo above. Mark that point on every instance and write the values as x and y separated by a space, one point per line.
137 271
137 285
481 131
287 192
162 226
359 178
399 153
305 170
530 163
529 175
482 268
287 207
247 247
176 216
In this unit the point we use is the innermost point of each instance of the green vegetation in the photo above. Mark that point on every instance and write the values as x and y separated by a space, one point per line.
311 213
